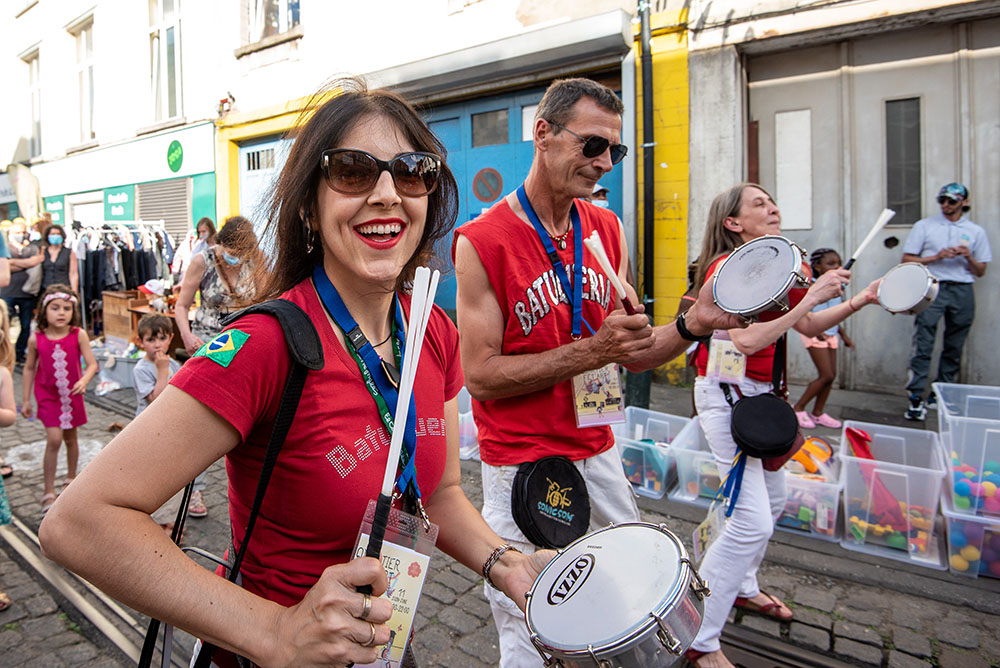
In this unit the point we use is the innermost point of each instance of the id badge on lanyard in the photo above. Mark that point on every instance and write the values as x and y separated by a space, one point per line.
597 394
726 364
406 555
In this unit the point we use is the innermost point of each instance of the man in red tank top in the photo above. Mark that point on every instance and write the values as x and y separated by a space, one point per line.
521 338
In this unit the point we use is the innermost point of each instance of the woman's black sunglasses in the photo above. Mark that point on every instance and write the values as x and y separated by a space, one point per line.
594 146
353 172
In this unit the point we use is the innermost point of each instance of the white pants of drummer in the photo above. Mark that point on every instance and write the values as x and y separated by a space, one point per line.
611 500
730 565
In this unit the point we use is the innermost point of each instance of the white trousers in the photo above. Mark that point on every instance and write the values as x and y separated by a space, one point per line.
611 500
730 565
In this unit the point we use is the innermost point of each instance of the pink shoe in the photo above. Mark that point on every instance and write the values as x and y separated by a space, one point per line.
825 420
805 421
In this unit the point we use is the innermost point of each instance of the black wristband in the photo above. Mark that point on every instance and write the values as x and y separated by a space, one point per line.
686 333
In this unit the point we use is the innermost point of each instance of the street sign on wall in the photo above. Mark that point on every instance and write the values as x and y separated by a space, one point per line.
56 206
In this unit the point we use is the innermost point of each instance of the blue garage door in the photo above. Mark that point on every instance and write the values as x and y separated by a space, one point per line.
490 150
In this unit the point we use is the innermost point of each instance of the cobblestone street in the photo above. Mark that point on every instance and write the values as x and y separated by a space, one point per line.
865 610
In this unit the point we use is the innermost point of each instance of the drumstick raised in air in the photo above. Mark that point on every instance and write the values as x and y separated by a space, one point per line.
593 242
424 288
883 218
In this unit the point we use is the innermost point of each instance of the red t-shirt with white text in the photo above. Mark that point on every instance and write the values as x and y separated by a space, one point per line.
334 457
538 317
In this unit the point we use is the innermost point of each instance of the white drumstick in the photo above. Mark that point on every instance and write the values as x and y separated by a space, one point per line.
593 242
424 288
883 218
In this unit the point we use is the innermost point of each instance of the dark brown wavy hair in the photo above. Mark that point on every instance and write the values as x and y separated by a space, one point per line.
40 317
332 113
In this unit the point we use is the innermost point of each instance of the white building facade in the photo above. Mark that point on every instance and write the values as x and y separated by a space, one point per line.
841 109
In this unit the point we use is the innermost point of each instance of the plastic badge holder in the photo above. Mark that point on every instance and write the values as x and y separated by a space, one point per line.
697 473
813 505
891 501
468 434
969 426
973 542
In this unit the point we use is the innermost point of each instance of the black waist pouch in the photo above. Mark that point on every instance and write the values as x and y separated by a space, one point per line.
549 502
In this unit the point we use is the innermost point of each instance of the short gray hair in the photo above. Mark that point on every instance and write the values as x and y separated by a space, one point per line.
557 103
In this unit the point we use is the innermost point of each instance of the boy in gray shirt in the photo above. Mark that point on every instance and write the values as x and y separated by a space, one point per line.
152 373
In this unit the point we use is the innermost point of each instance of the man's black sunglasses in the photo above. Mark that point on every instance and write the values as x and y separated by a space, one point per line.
594 146
949 200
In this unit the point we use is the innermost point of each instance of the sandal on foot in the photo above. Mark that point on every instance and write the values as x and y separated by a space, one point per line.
47 501
772 609
4 601
692 656
6 470
196 506
67 481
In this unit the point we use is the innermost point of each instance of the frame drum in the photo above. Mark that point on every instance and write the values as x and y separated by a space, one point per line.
758 275
907 288
625 596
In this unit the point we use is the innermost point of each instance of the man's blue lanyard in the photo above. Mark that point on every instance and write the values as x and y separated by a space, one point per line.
372 370
576 302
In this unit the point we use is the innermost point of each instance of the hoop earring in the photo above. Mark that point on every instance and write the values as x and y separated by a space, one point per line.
311 239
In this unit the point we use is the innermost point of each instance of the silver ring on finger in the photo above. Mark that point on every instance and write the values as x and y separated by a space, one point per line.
371 641
366 608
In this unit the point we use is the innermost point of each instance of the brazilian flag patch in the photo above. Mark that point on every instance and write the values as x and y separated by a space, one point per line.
223 348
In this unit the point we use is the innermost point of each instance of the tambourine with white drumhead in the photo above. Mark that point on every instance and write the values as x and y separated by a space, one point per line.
907 288
758 275
625 596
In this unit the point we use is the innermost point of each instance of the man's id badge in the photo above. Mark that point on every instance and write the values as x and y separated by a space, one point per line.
405 556
597 397
726 364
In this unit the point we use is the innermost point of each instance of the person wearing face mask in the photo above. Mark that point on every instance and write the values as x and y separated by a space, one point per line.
222 274
59 262
24 255
599 196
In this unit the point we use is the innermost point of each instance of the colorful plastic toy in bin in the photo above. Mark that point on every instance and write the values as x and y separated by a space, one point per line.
643 442
892 484
969 426
697 474
973 543
814 486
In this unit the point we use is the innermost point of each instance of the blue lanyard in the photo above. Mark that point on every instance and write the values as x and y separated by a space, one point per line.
730 487
576 302
373 371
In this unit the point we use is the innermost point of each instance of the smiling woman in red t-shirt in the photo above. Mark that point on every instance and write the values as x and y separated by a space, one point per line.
741 214
362 198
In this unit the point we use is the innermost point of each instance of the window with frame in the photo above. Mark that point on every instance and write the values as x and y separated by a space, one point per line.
84 36
272 17
165 59
35 93
902 159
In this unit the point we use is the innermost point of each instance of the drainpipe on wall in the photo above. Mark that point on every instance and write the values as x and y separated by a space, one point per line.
637 385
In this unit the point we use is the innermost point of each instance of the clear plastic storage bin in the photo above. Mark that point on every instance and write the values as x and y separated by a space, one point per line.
643 441
973 542
813 505
969 426
890 502
648 466
468 434
697 474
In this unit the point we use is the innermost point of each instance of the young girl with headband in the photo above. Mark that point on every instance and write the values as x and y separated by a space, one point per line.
54 362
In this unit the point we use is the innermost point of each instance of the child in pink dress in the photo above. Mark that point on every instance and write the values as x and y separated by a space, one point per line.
53 369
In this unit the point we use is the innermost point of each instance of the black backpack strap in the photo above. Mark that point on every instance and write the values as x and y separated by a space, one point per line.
778 368
300 334
306 351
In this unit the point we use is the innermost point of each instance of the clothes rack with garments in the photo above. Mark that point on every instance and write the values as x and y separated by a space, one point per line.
120 255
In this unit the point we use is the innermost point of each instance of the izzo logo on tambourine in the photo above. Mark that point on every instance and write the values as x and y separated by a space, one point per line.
556 502
571 580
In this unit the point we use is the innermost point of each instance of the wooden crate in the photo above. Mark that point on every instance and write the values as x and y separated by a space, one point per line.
117 318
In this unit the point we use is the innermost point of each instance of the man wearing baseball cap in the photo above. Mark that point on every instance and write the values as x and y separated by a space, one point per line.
956 252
